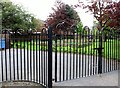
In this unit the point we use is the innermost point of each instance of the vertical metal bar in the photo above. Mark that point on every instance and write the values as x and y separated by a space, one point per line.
70 57
118 59
67 56
110 51
60 58
6 55
117 54
73 56
96 41
17 59
36 58
50 58
103 67
89 51
14 56
10 55
39 59
80 37
31 56
108 54
63 58
100 55
27 40
56 59
21 61
93 62
113 61
93 53
76 54
84 56
24 60
2 60
82 52
43 57
116 36
44 60
86 41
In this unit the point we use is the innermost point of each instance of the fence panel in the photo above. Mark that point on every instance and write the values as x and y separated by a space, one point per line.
84 54
24 58
68 55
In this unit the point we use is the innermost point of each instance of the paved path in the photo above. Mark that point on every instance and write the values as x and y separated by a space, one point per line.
106 79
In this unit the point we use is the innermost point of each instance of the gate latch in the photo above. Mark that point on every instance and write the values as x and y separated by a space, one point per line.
99 50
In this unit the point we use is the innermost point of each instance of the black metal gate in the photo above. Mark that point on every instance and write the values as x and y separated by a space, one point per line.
84 54
40 58
24 56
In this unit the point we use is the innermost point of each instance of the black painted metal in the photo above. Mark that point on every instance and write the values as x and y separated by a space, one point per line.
29 56
50 57
56 58
75 63
24 58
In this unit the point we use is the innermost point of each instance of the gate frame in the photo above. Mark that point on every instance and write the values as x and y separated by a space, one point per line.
50 57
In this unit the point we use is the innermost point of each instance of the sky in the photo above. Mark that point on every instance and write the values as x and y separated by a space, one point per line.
42 8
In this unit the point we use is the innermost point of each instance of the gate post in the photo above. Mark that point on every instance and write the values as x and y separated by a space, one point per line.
50 57
100 55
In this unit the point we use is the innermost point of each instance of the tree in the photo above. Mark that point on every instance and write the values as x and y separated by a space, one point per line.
79 27
113 14
63 14
106 13
15 17
0 17
39 24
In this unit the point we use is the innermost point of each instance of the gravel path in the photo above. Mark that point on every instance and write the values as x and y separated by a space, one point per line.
20 84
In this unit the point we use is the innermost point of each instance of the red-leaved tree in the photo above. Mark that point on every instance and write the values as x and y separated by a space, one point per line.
113 14
63 17
107 13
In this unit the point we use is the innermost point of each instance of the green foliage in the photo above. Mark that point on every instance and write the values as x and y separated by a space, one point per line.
15 17
0 17
39 24
94 31
79 27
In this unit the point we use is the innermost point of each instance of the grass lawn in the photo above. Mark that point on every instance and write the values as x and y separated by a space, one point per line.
111 47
